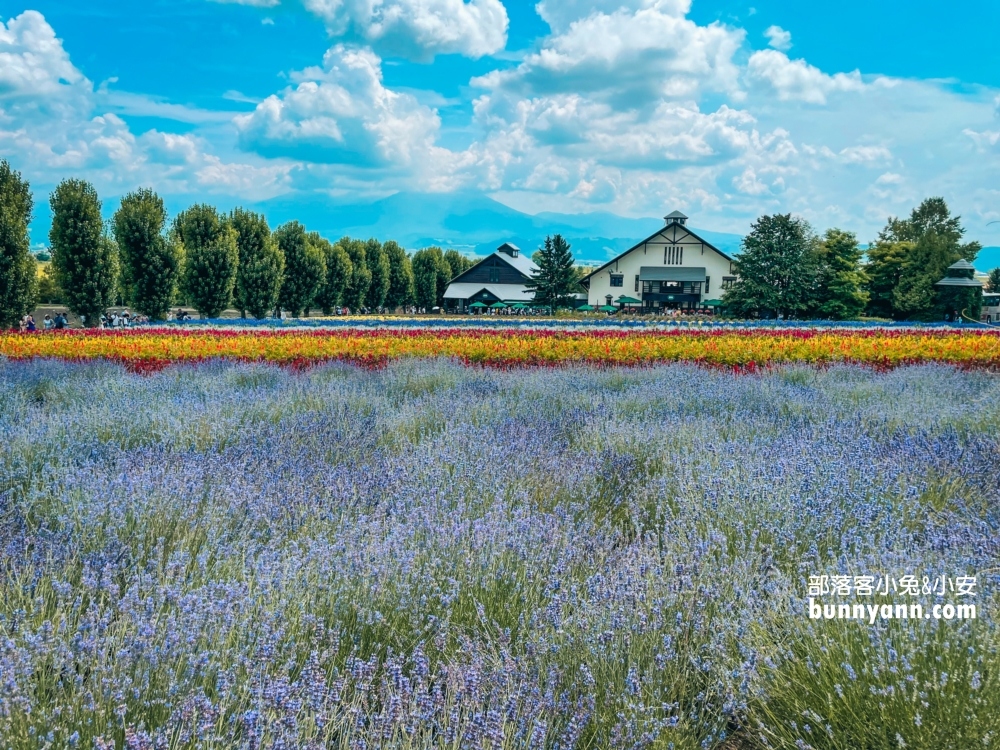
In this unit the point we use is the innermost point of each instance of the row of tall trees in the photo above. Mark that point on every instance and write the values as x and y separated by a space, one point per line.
204 258
786 269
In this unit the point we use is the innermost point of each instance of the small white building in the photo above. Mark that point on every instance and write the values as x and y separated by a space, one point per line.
670 270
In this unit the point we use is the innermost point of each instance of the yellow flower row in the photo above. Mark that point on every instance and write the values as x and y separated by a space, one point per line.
721 348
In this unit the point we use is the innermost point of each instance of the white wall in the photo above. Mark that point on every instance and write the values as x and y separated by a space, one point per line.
696 254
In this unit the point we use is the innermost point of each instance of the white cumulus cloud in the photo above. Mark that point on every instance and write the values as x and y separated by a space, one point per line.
797 80
778 38
419 29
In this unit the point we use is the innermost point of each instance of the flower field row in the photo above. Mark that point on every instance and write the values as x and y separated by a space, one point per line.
979 349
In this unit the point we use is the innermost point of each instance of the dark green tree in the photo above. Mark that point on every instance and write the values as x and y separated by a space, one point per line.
18 268
305 269
884 267
84 258
458 263
993 281
777 270
400 276
356 292
151 261
211 258
842 294
338 272
935 242
262 264
378 264
555 280
431 274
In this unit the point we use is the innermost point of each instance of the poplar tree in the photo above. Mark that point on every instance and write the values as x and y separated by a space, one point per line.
84 258
18 269
211 258
356 292
152 261
431 274
338 273
400 276
305 269
378 265
262 265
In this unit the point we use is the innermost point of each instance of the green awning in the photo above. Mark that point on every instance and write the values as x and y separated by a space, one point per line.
712 303
498 306
520 306
478 304
585 308
629 300
608 308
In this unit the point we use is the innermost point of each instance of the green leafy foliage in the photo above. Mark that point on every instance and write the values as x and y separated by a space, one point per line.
84 258
400 276
339 270
458 263
911 256
355 294
262 265
777 269
841 295
152 261
49 291
993 281
212 258
305 268
18 269
555 280
431 274
378 264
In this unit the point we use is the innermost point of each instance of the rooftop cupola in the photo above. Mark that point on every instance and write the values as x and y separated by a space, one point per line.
675 218
508 249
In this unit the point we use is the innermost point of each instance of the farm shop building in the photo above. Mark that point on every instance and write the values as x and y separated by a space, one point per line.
673 269
500 277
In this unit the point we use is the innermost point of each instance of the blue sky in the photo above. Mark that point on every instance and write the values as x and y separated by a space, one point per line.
843 113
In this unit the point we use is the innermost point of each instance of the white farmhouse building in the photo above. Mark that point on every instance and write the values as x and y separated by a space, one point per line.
672 269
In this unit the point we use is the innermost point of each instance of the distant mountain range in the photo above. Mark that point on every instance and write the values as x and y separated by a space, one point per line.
473 224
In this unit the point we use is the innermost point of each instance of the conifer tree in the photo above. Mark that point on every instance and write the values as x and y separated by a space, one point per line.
777 270
305 269
18 269
842 293
555 278
258 279
84 258
151 260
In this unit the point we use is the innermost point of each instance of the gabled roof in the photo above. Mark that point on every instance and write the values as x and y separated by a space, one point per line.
520 263
466 290
652 237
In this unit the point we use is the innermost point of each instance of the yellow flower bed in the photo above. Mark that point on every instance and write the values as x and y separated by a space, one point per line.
518 347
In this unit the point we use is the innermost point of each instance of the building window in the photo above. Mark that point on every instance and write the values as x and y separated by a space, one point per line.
637 282
617 279
494 275
728 281
673 255
707 280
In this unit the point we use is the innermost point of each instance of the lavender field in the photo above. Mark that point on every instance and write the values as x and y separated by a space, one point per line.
434 556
